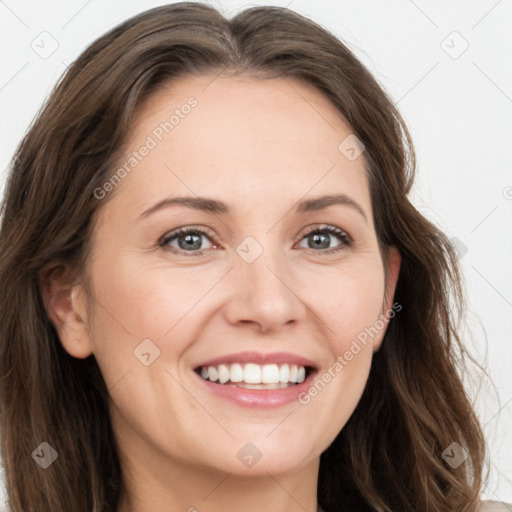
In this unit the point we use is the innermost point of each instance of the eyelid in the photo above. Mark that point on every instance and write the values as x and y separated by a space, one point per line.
184 229
326 227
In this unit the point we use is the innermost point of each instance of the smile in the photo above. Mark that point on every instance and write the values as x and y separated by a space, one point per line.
255 376
257 380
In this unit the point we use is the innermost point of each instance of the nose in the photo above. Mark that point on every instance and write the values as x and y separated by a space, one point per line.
265 293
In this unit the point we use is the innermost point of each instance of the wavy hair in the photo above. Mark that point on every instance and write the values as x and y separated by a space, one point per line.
388 457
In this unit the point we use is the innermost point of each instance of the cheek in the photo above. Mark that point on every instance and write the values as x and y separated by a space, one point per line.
349 303
143 302
134 302
335 392
348 300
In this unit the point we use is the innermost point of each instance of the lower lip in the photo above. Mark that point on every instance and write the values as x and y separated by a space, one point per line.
258 398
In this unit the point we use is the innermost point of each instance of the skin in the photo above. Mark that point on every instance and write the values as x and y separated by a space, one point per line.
259 146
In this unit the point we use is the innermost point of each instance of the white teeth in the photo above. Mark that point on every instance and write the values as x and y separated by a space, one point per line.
284 373
223 373
237 373
252 373
255 376
213 374
270 374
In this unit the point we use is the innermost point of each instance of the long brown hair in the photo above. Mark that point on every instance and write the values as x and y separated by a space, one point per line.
388 457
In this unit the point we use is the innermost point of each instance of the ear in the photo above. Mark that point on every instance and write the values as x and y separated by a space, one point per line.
66 305
394 260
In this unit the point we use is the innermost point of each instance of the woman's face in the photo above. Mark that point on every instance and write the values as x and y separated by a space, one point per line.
248 292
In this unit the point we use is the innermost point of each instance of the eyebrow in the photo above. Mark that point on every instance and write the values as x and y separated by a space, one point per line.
215 206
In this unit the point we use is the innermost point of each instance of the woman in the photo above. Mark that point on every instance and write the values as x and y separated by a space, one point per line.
218 295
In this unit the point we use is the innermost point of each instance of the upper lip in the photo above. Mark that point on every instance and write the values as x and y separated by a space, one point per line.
259 358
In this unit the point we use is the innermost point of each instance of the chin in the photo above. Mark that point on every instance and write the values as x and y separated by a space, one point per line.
261 453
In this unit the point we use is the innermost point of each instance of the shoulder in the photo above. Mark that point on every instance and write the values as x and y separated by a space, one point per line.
495 506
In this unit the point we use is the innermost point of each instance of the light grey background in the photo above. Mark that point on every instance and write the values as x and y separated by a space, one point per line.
457 102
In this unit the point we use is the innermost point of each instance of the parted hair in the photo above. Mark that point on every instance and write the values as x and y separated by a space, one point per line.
388 457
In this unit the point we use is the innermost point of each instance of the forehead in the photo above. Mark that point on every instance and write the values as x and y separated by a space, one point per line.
235 137
275 110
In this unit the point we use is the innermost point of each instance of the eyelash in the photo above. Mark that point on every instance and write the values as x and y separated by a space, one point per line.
345 239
